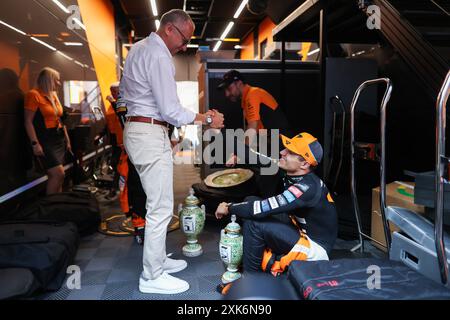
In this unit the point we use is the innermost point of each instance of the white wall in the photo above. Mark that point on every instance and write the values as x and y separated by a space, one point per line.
186 67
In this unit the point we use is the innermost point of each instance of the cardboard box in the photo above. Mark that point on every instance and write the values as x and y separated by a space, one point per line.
398 194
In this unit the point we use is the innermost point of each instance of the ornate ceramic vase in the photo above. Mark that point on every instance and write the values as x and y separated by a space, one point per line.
230 247
192 221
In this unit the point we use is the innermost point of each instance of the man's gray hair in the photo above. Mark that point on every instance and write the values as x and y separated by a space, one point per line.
175 15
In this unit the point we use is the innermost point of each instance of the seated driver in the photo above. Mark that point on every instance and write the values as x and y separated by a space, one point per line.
299 223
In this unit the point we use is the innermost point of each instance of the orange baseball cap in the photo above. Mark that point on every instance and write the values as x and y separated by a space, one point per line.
305 145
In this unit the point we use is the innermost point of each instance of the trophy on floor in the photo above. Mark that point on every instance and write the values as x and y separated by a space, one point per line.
230 247
192 220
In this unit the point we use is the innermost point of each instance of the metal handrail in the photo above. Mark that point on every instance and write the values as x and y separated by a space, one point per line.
337 101
441 121
386 97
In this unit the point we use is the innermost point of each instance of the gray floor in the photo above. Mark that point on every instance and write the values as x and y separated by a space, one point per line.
110 269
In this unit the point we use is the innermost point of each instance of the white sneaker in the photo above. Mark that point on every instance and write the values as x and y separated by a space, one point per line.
172 265
164 284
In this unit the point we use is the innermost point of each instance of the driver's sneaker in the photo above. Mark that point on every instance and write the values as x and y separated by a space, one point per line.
172 265
164 284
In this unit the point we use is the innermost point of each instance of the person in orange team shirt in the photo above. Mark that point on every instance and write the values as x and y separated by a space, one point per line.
48 136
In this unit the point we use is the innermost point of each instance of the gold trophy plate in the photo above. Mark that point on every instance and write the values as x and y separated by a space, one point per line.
228 178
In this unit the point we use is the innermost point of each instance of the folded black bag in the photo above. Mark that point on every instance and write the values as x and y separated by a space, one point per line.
80 208
351 279
44 248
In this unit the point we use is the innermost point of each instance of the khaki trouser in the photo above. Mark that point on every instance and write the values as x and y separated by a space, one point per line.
149 149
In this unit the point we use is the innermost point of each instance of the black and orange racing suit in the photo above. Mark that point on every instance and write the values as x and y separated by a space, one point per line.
275 229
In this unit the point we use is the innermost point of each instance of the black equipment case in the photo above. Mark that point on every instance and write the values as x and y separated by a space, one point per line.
354 279
44 248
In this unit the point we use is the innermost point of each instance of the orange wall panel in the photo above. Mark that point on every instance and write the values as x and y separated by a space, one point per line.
24 78
98 17
247 48
9 57
265 33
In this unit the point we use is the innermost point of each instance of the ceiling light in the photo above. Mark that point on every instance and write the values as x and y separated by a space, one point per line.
239 10
313 52
217 46
132 33
358 53
43 43
65 56
11 27
224 40
59 4
231 39
191 45
39 35
157 23
227 29
73 44
238 47
77 21
154 9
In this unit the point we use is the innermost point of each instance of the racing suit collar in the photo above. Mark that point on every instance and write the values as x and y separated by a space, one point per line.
293 179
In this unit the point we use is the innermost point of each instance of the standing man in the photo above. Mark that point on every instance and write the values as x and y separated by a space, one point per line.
261 110
114 127
85 108
149 90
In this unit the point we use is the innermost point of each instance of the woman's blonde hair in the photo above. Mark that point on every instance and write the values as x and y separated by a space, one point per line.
46 80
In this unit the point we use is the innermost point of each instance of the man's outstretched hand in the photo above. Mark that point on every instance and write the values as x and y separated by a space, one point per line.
217 119
222 210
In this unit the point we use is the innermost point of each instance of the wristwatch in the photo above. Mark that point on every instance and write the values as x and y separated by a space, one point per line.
209 120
